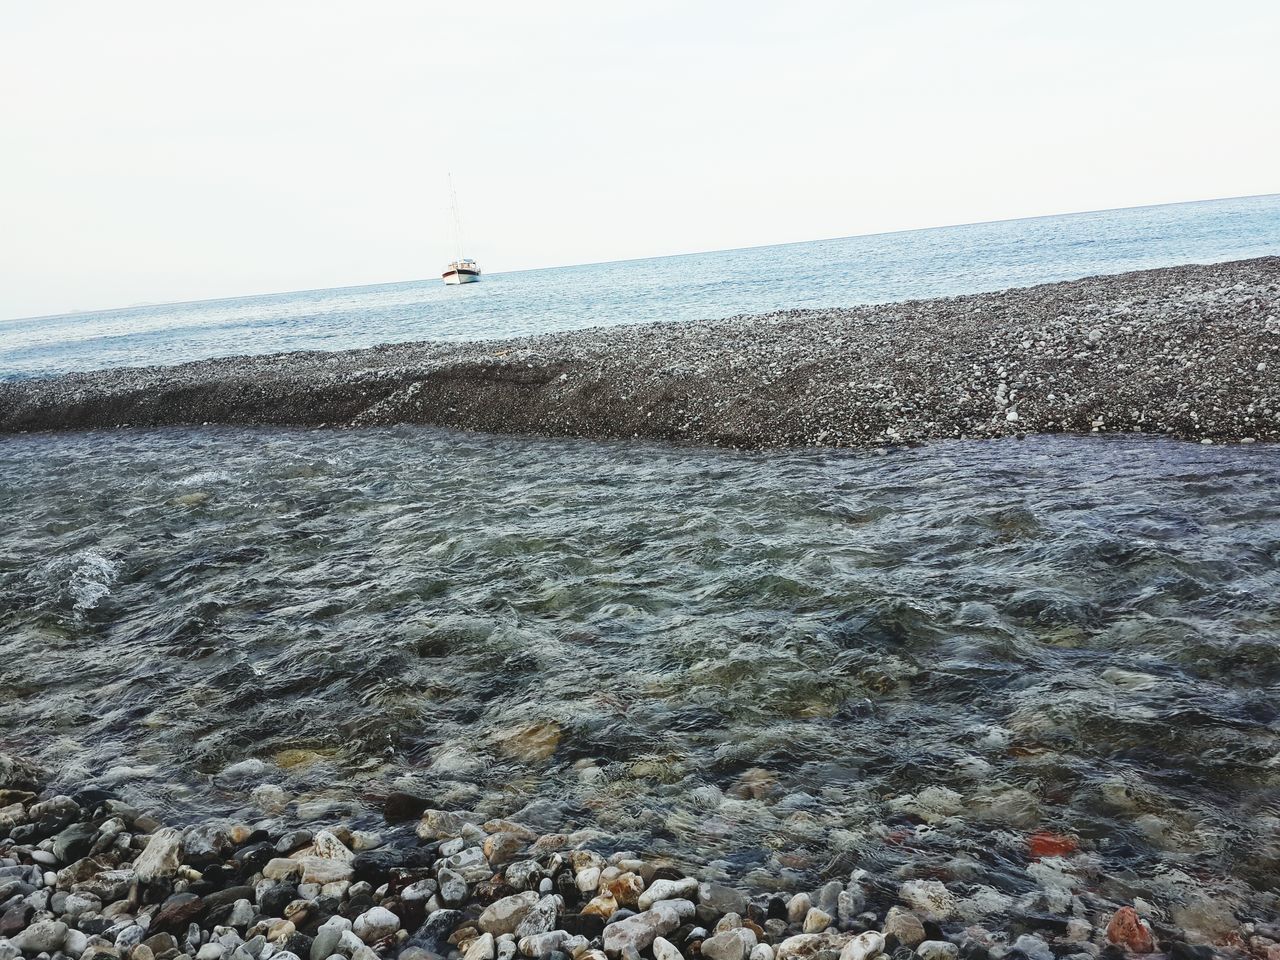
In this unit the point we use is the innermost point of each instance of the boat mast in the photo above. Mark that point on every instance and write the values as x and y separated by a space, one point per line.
457 220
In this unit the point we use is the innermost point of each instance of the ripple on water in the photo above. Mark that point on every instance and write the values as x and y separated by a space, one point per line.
771 666
83 578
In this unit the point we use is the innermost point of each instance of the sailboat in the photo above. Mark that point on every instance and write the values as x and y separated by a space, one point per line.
462 269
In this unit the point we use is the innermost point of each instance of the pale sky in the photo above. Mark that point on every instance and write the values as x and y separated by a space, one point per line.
154 151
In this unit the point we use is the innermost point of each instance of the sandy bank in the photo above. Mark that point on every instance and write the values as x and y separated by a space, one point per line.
1192 352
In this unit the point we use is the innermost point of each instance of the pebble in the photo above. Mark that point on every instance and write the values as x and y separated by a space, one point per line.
43 936
504 915
864 946
588 879
376 923
1130 931
798 908
540 918
905 926
640 930
540 944
733 944
282 868
323 870
159 861
327 937
941 950
684 889
816 920
80 903
500 848
75 943
241 915
930 898
482 948
453 889
802 946
1032 947
721 898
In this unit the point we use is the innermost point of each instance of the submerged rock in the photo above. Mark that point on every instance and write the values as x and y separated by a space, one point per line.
930 898
1130 931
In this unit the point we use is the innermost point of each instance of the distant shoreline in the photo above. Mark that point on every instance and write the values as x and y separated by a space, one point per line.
1191 352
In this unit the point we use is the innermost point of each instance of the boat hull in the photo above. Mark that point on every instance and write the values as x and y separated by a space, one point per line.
453 277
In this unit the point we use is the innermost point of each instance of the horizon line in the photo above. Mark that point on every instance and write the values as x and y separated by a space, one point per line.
659 256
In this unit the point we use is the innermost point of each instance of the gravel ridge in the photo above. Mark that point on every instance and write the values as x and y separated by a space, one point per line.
1191 352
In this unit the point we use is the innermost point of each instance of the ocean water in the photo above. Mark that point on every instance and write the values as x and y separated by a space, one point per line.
769 667
880 268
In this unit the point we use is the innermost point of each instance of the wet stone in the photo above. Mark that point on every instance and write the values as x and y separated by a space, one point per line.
482 948
177 912
1130 931
928 898
1031 946
74 842
639 930
401 806
433 935
503 916
940 950
733 944
376 924
15 918
798 908
905 927
160 860
863 946
540 918
682 889
816 920
43 936
272 897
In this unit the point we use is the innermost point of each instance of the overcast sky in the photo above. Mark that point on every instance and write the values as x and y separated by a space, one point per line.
156 151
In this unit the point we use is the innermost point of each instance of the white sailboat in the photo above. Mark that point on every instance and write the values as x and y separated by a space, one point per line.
462 269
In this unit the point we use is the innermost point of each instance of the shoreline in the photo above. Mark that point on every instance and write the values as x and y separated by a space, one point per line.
1191 352
90 876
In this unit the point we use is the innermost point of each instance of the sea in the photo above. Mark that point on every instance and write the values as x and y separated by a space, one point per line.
772 669
869 269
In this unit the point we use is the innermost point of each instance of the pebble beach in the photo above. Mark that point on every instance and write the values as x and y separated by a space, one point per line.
89 876
1191 352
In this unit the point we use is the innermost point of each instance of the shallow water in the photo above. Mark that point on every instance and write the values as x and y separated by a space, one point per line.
775 667
871 269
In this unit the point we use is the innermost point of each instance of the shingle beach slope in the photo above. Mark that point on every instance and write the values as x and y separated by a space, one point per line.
1191 352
